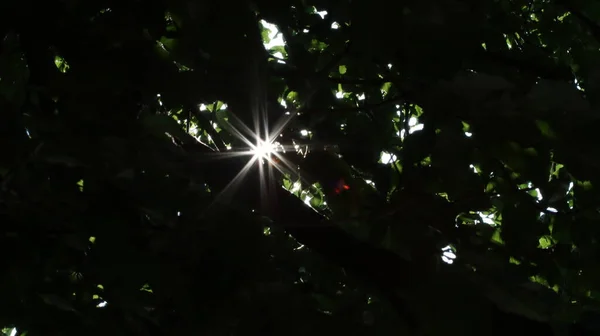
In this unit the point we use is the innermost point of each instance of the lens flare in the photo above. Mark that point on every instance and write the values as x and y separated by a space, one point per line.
262 149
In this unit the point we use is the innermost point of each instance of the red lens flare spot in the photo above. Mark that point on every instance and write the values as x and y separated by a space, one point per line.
341 185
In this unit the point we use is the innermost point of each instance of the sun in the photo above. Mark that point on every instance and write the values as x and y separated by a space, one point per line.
263 149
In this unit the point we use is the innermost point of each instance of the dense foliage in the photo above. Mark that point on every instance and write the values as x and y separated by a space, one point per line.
435 173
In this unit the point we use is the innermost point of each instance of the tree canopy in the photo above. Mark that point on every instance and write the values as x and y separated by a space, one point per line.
391 168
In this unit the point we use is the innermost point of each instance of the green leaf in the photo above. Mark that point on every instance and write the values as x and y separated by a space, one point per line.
278 49
316 202
545 128
342 69
497 237
265 35
385 88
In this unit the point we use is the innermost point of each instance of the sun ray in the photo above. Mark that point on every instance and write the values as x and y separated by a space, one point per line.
229 189
237 123
262 149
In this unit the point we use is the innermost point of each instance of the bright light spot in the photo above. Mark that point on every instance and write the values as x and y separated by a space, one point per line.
13 332
307 200
339 95
553 210
322 14
371 183
416 128
390 66
223 107
102 304
468 134
304 132
487 219
296 187
414 125
305 31
202 107
194 130
474 168
387 158
446 259
539 194
361 96
335 25
448 255
263 149
413 121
